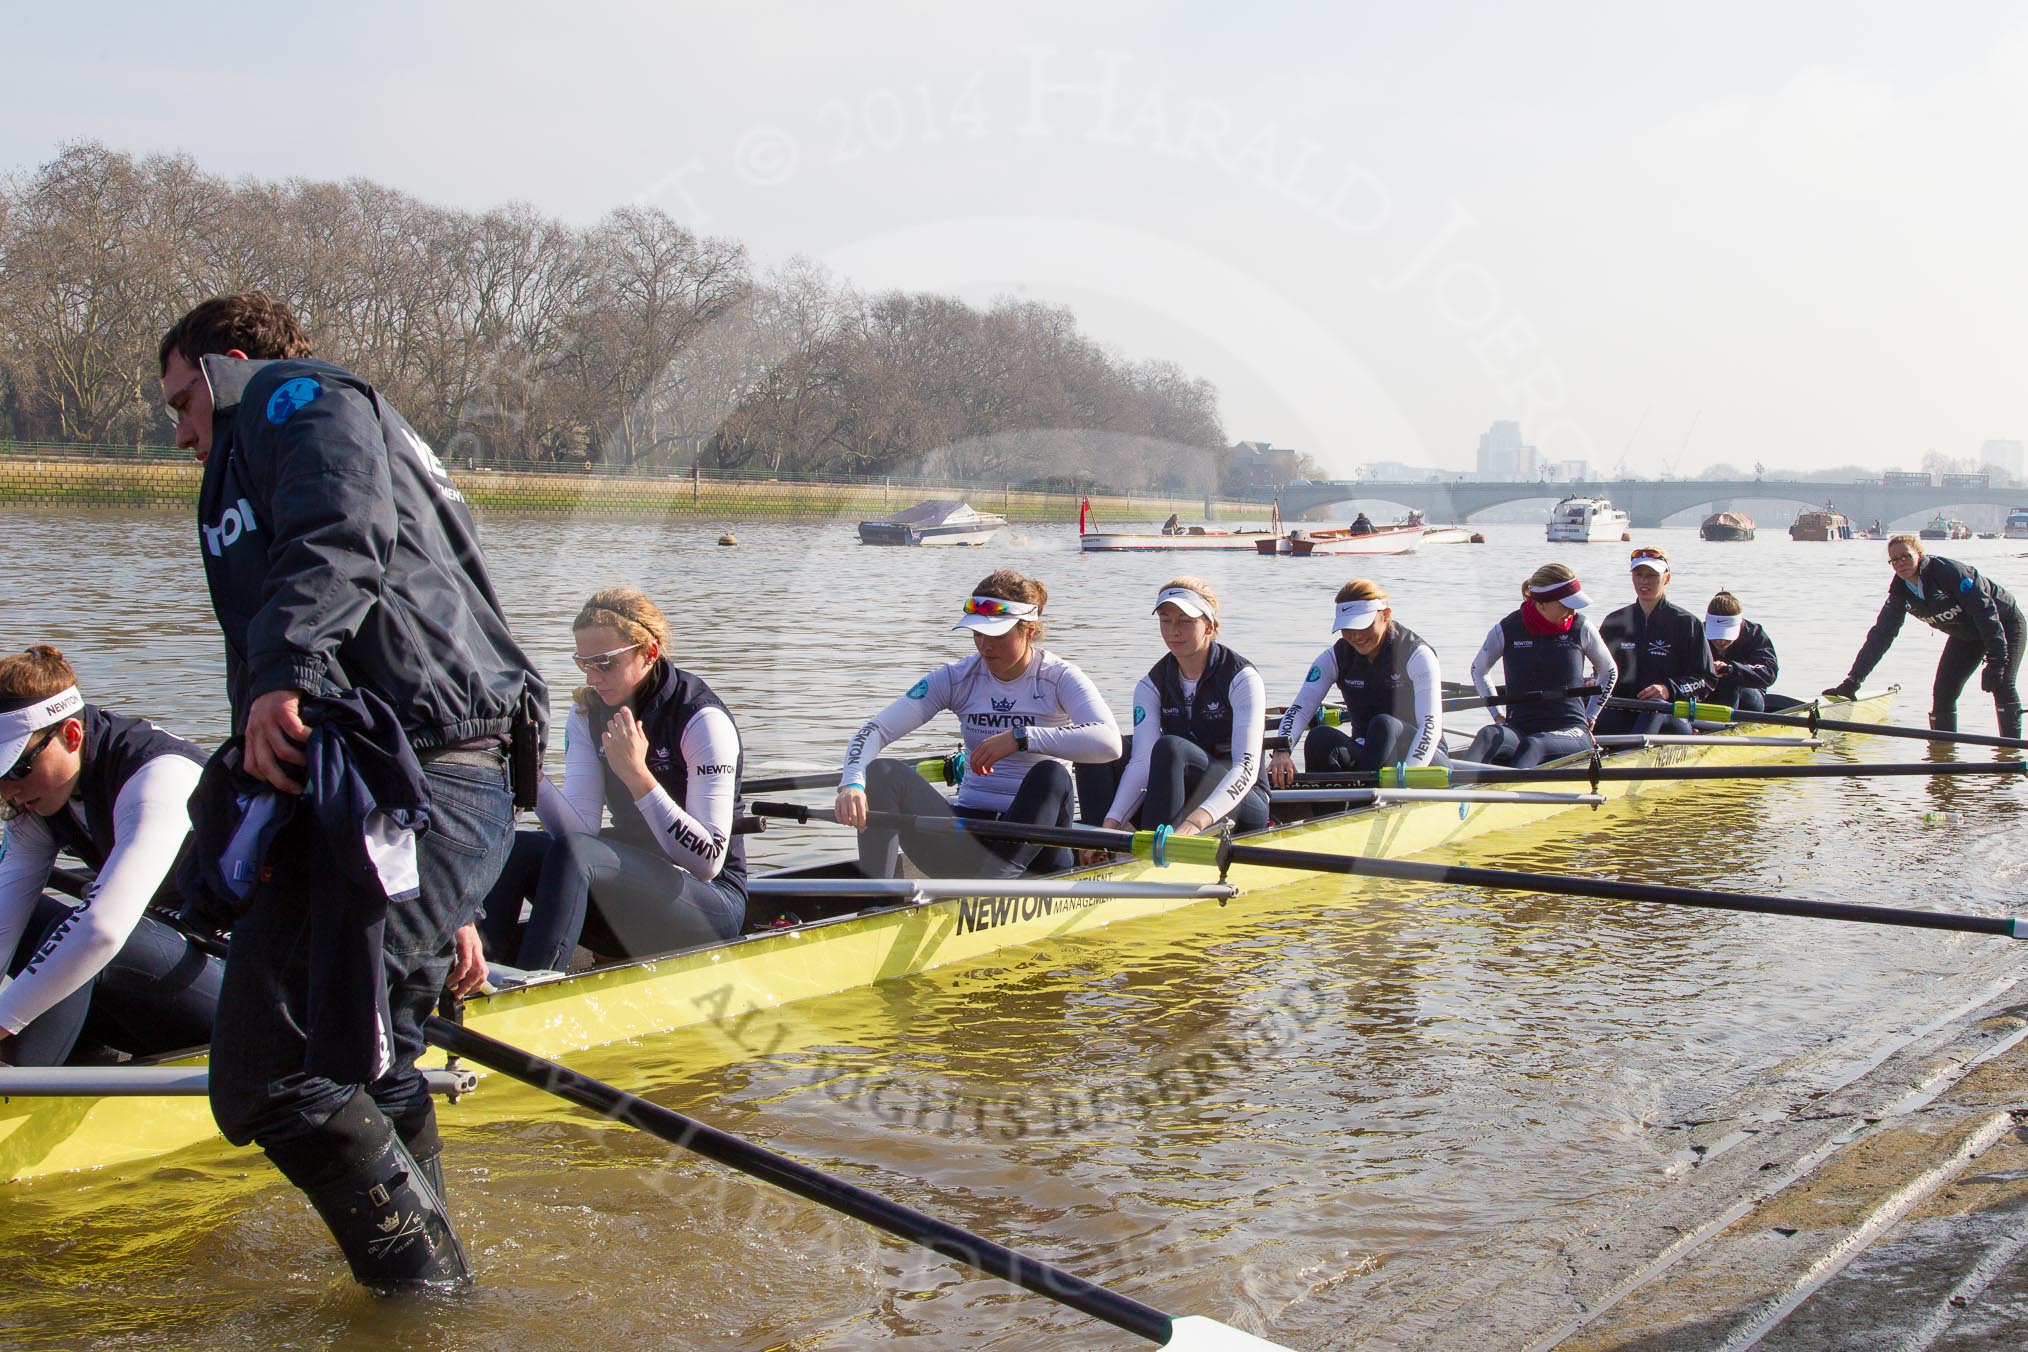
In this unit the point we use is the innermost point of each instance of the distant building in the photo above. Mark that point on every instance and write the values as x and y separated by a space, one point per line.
2004 456
1567 471
1504 457
1257 464
1398 472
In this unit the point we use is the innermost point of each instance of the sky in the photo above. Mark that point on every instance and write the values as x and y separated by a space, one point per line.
1659 237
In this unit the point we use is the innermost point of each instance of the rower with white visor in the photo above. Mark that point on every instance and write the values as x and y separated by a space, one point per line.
1026 715
120 969
1743 656
1194 753
1392 686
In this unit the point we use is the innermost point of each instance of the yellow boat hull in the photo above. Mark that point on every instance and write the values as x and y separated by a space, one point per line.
718 992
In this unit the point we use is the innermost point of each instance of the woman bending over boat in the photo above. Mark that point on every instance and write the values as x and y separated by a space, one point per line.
1543 647
1742 655
1980 623
650 743
1659 648
1392 688
113 791
1198 762
1025 715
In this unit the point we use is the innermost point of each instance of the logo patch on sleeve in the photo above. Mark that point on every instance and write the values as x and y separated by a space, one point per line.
1315 672
289 396
919 689
1965 584
1139 714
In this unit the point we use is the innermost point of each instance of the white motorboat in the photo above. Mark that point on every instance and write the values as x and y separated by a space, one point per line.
1587 521
940 521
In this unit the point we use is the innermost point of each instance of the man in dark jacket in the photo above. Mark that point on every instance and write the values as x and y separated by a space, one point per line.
1979 621
340 558
1659 648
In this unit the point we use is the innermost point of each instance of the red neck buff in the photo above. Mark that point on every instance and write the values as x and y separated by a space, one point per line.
1535 622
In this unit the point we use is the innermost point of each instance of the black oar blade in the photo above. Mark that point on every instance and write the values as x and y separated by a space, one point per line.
1030 1274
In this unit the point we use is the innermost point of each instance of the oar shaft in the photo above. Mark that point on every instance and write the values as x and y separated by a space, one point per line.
1584 774
1721 713
1559 884
1030 1274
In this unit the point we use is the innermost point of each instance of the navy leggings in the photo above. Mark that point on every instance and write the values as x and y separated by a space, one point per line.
1385 740
1180 774
618 899
1045 798
1502 744
157 994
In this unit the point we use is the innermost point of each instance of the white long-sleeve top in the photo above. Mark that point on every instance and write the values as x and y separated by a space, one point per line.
1065 716
1425 678
1248 697
151 816
1604 671
693 833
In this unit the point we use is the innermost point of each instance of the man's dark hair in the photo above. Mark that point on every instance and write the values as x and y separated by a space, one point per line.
252 322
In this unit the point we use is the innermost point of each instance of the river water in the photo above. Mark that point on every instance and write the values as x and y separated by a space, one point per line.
1397 1090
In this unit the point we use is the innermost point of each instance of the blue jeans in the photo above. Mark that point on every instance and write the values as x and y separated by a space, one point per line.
622 900
259 1090
156 995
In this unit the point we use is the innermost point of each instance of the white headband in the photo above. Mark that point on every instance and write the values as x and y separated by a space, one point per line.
1358 614
1188 600
18 725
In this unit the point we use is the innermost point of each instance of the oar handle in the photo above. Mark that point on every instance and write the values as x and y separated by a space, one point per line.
1066 1288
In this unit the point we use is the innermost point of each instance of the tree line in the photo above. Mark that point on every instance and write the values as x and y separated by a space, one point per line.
514 339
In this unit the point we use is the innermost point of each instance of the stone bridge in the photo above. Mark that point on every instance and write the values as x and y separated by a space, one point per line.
1648 501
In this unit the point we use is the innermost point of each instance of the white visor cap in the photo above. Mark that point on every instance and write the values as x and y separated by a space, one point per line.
1723 626
1010 613
18 725
1358 614
1188 601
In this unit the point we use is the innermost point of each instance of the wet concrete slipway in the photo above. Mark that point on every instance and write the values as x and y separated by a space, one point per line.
1362 1118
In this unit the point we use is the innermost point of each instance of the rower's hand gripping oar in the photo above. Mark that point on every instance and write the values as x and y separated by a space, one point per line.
1814 720
1191 1333
937 770
1163 847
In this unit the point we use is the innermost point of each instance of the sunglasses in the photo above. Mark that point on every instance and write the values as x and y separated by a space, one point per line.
1901 558
21 768
1649 552
174 406
981 605
601 661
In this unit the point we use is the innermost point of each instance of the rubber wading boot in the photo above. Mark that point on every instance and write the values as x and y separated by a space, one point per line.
1943 722
2010 720
380 1205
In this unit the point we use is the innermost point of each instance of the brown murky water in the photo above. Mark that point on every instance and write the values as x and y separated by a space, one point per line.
1310 1113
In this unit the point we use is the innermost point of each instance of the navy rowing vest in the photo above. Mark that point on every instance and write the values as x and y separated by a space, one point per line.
1379 686
1207 719
1542 662
114 748
676 697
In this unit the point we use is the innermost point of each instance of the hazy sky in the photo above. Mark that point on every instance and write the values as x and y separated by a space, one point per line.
1374 228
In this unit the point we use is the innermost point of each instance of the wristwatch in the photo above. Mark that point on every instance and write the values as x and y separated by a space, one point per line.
1020 736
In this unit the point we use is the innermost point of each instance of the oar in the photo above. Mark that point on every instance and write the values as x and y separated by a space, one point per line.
1478 701
1444 777
1164 847
937 770
159 1082
1044 1279
1719 713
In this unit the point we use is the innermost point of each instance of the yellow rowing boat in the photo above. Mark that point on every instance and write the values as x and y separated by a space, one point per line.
715 993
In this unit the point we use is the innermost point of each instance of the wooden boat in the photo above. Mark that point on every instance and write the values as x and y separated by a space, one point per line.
1401 539
1727 526
940 521
1173 537
1821 525
868 932
1445 535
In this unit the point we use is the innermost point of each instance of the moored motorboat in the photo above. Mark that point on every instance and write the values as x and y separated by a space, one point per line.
1941 527
2017 525
940 521
1175 536
856 933
1727 526
1380 540
1580 520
